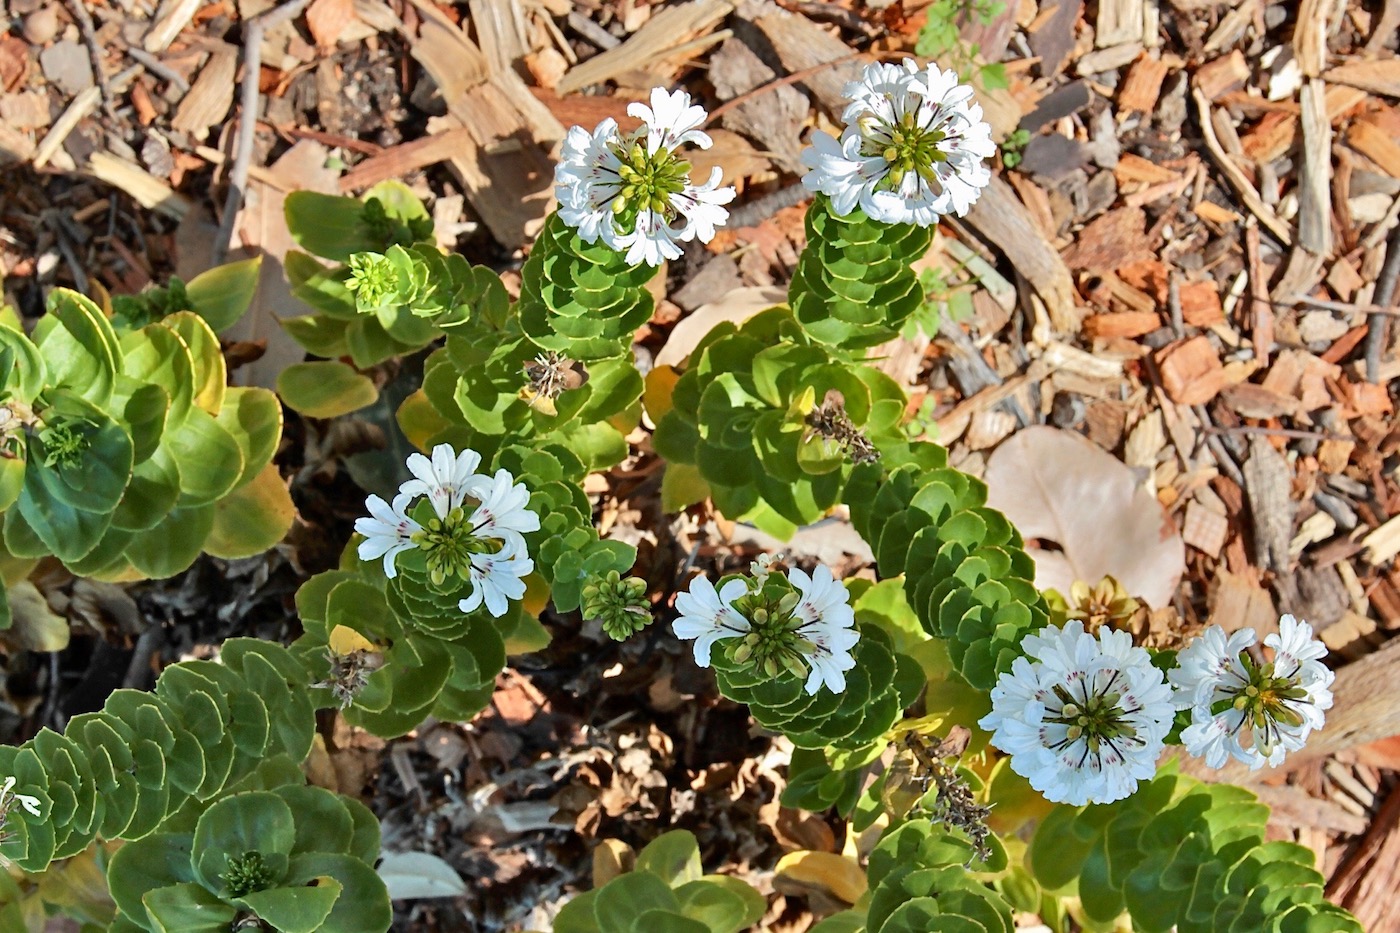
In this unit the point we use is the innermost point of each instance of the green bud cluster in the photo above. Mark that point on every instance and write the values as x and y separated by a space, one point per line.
666 890
853 287
1183 855
447 545
911 148
648 182
1265 698
620 603
741 418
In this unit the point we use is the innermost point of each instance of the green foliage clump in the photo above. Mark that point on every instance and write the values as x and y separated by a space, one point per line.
1183 855
878 689
967 576
920 882
125 454
298 859
582 300
748 415
853 287
667 891
150 759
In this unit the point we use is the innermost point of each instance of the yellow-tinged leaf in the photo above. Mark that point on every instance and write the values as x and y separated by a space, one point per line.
823 873
252 518
36 627
656 394
529 635
536 595
613 857
419 420
345 640
682 486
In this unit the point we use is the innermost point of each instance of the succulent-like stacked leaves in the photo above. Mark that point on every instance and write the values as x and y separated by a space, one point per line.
1184 855
581 300
666 891
853 287
148 758
740 416
920 883
298 858
966 574
878 689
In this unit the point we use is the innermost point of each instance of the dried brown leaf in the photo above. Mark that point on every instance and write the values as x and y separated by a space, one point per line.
1059 487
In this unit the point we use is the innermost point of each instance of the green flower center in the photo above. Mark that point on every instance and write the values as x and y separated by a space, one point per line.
775 643
247 873
373 279
448 545
1265 699
1097 718
63 443
909 148
648 181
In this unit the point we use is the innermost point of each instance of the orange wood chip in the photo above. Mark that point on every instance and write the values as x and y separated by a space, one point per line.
1191 372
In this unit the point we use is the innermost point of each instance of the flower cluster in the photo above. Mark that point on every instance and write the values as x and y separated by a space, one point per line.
809 631
1083 719
912 150
1243 708
633 191
483 545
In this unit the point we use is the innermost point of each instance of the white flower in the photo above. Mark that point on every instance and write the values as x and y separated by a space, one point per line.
388 530
497 578
446 480
30 804
503 512
708 616
633 191
671 121
1083 719
1244 709
828 625
913 148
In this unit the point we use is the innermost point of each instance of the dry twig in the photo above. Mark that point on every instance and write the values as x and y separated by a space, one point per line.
248 119
1384 296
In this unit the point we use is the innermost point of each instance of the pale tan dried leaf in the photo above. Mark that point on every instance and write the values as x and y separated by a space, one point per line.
1059 487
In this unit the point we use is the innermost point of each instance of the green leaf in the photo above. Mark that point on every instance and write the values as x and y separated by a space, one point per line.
253 417
682 486
173 544
329 226
25 362
718 908
673 857
79 347
158 355
187 908
221 295
157 861
11 480
258 821
68 533
319 334
325 389
627 897
210 372
208 457
661 921
252 518
294 910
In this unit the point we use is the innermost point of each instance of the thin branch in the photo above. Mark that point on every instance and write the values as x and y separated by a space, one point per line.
89 34
795 77
1384 296
253 31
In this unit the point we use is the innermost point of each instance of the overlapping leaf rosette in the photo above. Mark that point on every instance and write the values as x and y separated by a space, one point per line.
772 423
288 858
148 760
123 452
788 646
1182 855
919 882
666 889
388 287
